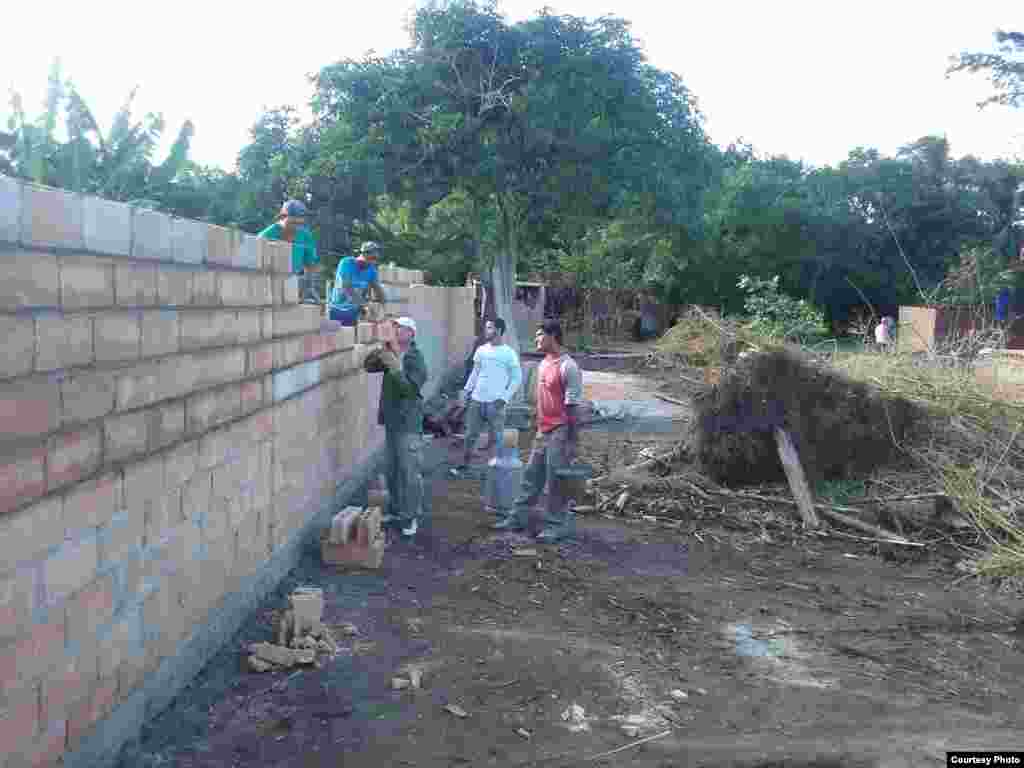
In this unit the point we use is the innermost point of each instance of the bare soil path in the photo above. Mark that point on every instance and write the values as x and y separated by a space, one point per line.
806 652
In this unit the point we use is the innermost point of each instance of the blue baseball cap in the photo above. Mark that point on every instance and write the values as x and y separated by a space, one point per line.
294 208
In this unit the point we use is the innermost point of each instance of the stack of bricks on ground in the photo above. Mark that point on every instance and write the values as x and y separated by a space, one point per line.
355 538
173 421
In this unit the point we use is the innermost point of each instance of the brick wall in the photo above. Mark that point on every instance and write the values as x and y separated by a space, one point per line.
173 424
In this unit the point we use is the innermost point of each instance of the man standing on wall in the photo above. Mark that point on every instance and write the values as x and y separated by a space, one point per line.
401 414
559 397
291 227
355 279
496 376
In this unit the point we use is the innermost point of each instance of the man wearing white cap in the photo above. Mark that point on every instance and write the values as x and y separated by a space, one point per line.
401 414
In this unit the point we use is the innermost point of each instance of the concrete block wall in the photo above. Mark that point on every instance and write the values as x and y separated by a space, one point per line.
174 424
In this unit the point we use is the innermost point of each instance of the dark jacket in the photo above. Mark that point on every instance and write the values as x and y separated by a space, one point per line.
401 404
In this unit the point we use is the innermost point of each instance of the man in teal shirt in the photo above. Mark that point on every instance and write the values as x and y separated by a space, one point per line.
291 227
354 281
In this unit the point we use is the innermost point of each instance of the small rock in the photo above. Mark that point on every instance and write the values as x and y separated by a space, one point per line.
527 552
702 691
631 730
524 733
637 720
257 664
456 710
679 695
349 630
322 646
399 683
576 716
416 677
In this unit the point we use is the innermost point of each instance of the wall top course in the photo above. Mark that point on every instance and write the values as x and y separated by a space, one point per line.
41 217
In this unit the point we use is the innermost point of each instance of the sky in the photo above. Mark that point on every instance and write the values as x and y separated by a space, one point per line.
811 80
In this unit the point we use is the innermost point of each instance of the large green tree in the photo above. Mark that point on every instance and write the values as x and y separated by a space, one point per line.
553 119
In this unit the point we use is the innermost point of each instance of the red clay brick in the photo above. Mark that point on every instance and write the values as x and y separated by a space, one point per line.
22 476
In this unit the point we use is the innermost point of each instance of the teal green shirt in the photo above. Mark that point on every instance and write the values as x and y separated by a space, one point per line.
303 246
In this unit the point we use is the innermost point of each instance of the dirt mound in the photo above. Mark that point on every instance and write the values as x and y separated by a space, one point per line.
842 428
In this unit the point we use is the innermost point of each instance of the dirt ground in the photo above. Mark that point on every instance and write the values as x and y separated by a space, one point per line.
736 644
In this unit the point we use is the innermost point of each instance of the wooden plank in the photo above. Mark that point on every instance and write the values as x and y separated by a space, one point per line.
795 476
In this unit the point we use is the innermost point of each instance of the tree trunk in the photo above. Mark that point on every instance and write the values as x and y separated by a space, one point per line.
503 279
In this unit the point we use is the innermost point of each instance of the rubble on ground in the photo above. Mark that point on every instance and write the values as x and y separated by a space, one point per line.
302 636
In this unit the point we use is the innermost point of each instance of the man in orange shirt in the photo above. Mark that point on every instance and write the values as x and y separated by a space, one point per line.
559 395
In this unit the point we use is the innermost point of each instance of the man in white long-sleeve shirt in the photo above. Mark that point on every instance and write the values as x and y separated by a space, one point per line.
495 378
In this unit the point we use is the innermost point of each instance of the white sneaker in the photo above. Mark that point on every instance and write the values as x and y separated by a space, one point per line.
411 530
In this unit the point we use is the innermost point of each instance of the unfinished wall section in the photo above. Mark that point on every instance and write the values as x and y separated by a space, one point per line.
174 423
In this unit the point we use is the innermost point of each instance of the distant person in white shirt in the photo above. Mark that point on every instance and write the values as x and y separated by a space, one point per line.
883 332
495 378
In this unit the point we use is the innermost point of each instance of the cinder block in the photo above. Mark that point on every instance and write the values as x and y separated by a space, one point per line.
262 290
126 435
30 407
121 538
19 341
28 280
69 569
86 613
135 284
10 209
141 385
302 318
259 359
118 336
92 503
288 352
30 532
22 476
63 341
20 714
221 243
252 395
86 396
205 289
17 601
280 256
72 456
107 226
234 289
151 235
219 328
365 333
86 282
174 286
206 410
180 464
289 290
167 426
144 483
219 367
188 241
267 324
250 254
159 332
296 379
51 218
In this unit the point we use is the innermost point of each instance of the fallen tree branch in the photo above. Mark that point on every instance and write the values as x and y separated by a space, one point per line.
831 512
669 457
673 400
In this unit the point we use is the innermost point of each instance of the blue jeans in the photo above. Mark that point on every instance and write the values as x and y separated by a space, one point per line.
345 316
